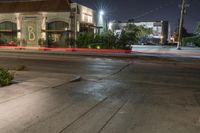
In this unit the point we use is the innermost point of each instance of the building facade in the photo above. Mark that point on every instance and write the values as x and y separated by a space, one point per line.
160 30
51 23
84 19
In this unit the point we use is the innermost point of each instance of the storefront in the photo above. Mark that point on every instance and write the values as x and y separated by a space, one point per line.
29 22
49 23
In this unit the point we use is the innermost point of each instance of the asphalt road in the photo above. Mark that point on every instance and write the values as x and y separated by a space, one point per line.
113 96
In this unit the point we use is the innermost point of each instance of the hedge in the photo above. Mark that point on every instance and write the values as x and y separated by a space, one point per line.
192 40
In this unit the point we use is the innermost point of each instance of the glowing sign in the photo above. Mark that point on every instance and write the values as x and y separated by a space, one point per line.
31 34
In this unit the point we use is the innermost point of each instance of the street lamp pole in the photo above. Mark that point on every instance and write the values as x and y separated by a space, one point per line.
181 25
101 20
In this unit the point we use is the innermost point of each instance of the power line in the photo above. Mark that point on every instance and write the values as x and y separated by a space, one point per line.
153 10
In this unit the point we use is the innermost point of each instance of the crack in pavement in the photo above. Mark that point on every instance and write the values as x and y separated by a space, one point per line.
109 75
121 69
83 115
114 114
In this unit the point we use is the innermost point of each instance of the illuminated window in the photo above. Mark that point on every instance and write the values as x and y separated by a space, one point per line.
87 18
8 32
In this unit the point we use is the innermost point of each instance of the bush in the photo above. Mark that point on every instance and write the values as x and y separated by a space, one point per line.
5 77
192 40
42 42
3 41
108 40
85 39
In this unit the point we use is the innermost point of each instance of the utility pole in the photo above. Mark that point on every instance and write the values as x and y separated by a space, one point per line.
183 7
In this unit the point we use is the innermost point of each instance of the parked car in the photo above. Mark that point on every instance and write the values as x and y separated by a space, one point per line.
11 43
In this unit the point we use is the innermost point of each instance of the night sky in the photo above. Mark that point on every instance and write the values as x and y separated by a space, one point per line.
147 10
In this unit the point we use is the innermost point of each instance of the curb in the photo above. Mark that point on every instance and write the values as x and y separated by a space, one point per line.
67 49
74 53
76 79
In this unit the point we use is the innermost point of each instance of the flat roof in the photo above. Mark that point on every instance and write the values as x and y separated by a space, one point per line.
34 6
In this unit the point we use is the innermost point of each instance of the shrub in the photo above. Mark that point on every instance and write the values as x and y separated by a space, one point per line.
3 41
5 77
85 39
192 40
129 36
109 40
17 41
42 42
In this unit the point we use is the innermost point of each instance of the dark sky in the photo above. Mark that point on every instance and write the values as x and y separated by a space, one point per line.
147 10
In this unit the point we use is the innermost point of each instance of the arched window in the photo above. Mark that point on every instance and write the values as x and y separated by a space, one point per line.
8 33
58 25
8 26
58 35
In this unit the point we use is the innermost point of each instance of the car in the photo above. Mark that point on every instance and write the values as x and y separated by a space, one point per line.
11 43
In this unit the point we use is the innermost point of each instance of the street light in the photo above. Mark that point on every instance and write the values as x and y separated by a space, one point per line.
110 25
101 12
101 20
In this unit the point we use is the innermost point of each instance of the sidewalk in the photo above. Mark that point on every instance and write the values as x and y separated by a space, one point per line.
169 51
165 49
27 82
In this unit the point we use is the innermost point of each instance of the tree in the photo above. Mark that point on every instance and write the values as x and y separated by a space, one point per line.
129 36
198 28
109 40
131 20
192 40
144 32
185 33
195 39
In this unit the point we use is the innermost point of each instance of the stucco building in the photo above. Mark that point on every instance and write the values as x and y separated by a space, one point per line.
53 23
160 30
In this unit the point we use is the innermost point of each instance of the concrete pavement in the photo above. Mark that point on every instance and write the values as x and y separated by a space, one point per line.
113 96
29 82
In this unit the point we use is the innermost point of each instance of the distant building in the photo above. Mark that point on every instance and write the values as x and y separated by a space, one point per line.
35 22
160 30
